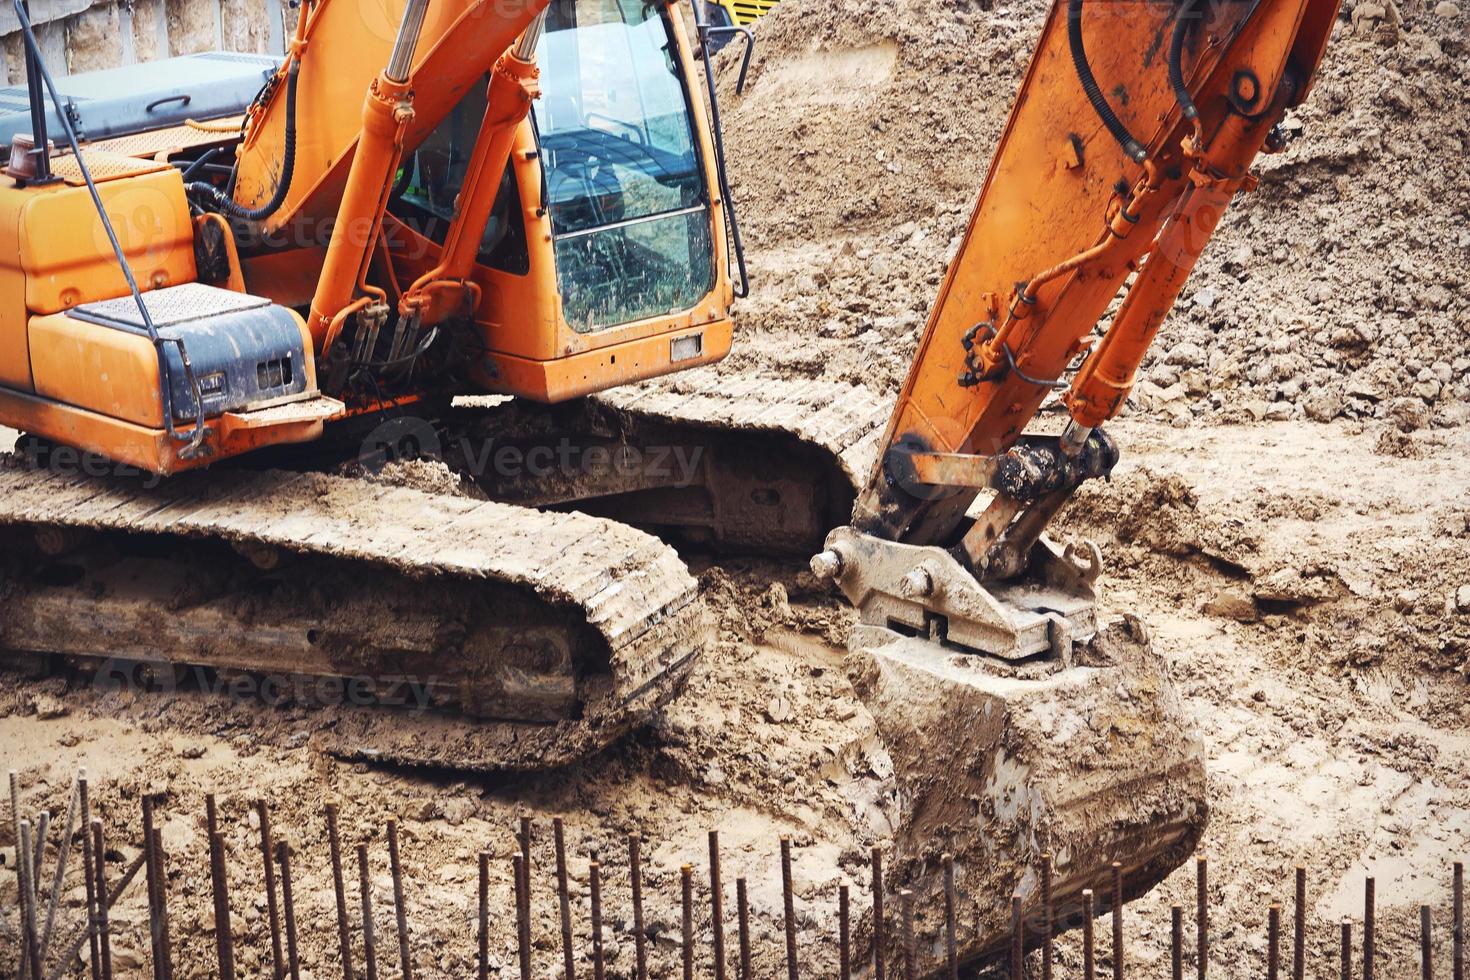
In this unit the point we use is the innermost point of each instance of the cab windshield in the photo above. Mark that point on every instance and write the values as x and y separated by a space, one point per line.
624 186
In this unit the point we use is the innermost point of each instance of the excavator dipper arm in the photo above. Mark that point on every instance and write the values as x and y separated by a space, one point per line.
1026 734
1134 129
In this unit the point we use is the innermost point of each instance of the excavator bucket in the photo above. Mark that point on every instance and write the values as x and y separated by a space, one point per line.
1090 764
1036 749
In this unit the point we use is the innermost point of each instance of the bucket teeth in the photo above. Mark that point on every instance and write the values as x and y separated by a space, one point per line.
1070 770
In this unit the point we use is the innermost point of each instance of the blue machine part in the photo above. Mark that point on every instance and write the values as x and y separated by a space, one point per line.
152 95
246 352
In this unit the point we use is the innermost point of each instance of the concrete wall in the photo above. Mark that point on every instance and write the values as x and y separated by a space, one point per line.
85 35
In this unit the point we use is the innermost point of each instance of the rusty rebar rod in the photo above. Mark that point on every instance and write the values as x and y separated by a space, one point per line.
686 919
877 862
344 936
844 933
1426 944
1018 942
951 941
63 855
524 837
1273 942
1345 969
482 932
1299 927
1457 924
25 870
288 910
369 936
743 912
272 910
716 905
15 814
1368 929
165 942
788 904
38 860
1046 916
400 904
1089 941
1201 919
564 899
88 871
523 924
1176 941
640 939
1117 920
594 876
150 876
79 938
224 939
104 931
910 960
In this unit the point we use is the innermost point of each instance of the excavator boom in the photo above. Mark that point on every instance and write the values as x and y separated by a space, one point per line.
1025 731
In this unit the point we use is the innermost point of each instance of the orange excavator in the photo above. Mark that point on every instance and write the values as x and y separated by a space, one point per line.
531 201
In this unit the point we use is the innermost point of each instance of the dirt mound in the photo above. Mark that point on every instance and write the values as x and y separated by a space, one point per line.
1336 289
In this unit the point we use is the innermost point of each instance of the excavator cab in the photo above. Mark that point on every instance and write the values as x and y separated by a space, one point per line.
546 221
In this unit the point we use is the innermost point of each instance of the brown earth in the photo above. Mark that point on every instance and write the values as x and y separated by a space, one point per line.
1337 289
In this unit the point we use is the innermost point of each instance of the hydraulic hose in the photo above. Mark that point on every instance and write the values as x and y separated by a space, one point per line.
1176 60
1131 146
226 204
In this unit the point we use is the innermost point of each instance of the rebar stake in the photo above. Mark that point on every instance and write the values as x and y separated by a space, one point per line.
877 859
1117 920
716 905
369 936
1201 918
743 912
686 920
844 933
640 939
594 872
1089 941
951 942
788 903
344 937
564 901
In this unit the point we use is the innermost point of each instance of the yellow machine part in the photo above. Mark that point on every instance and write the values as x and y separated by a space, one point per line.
54 254
743 13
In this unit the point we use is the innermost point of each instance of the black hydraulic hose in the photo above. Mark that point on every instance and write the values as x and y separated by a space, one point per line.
1182 21
226 204
201 163
1100 105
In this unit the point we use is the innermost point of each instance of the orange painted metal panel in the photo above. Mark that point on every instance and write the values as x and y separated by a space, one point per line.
111 372
141 446
596 370
15 349
63 250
